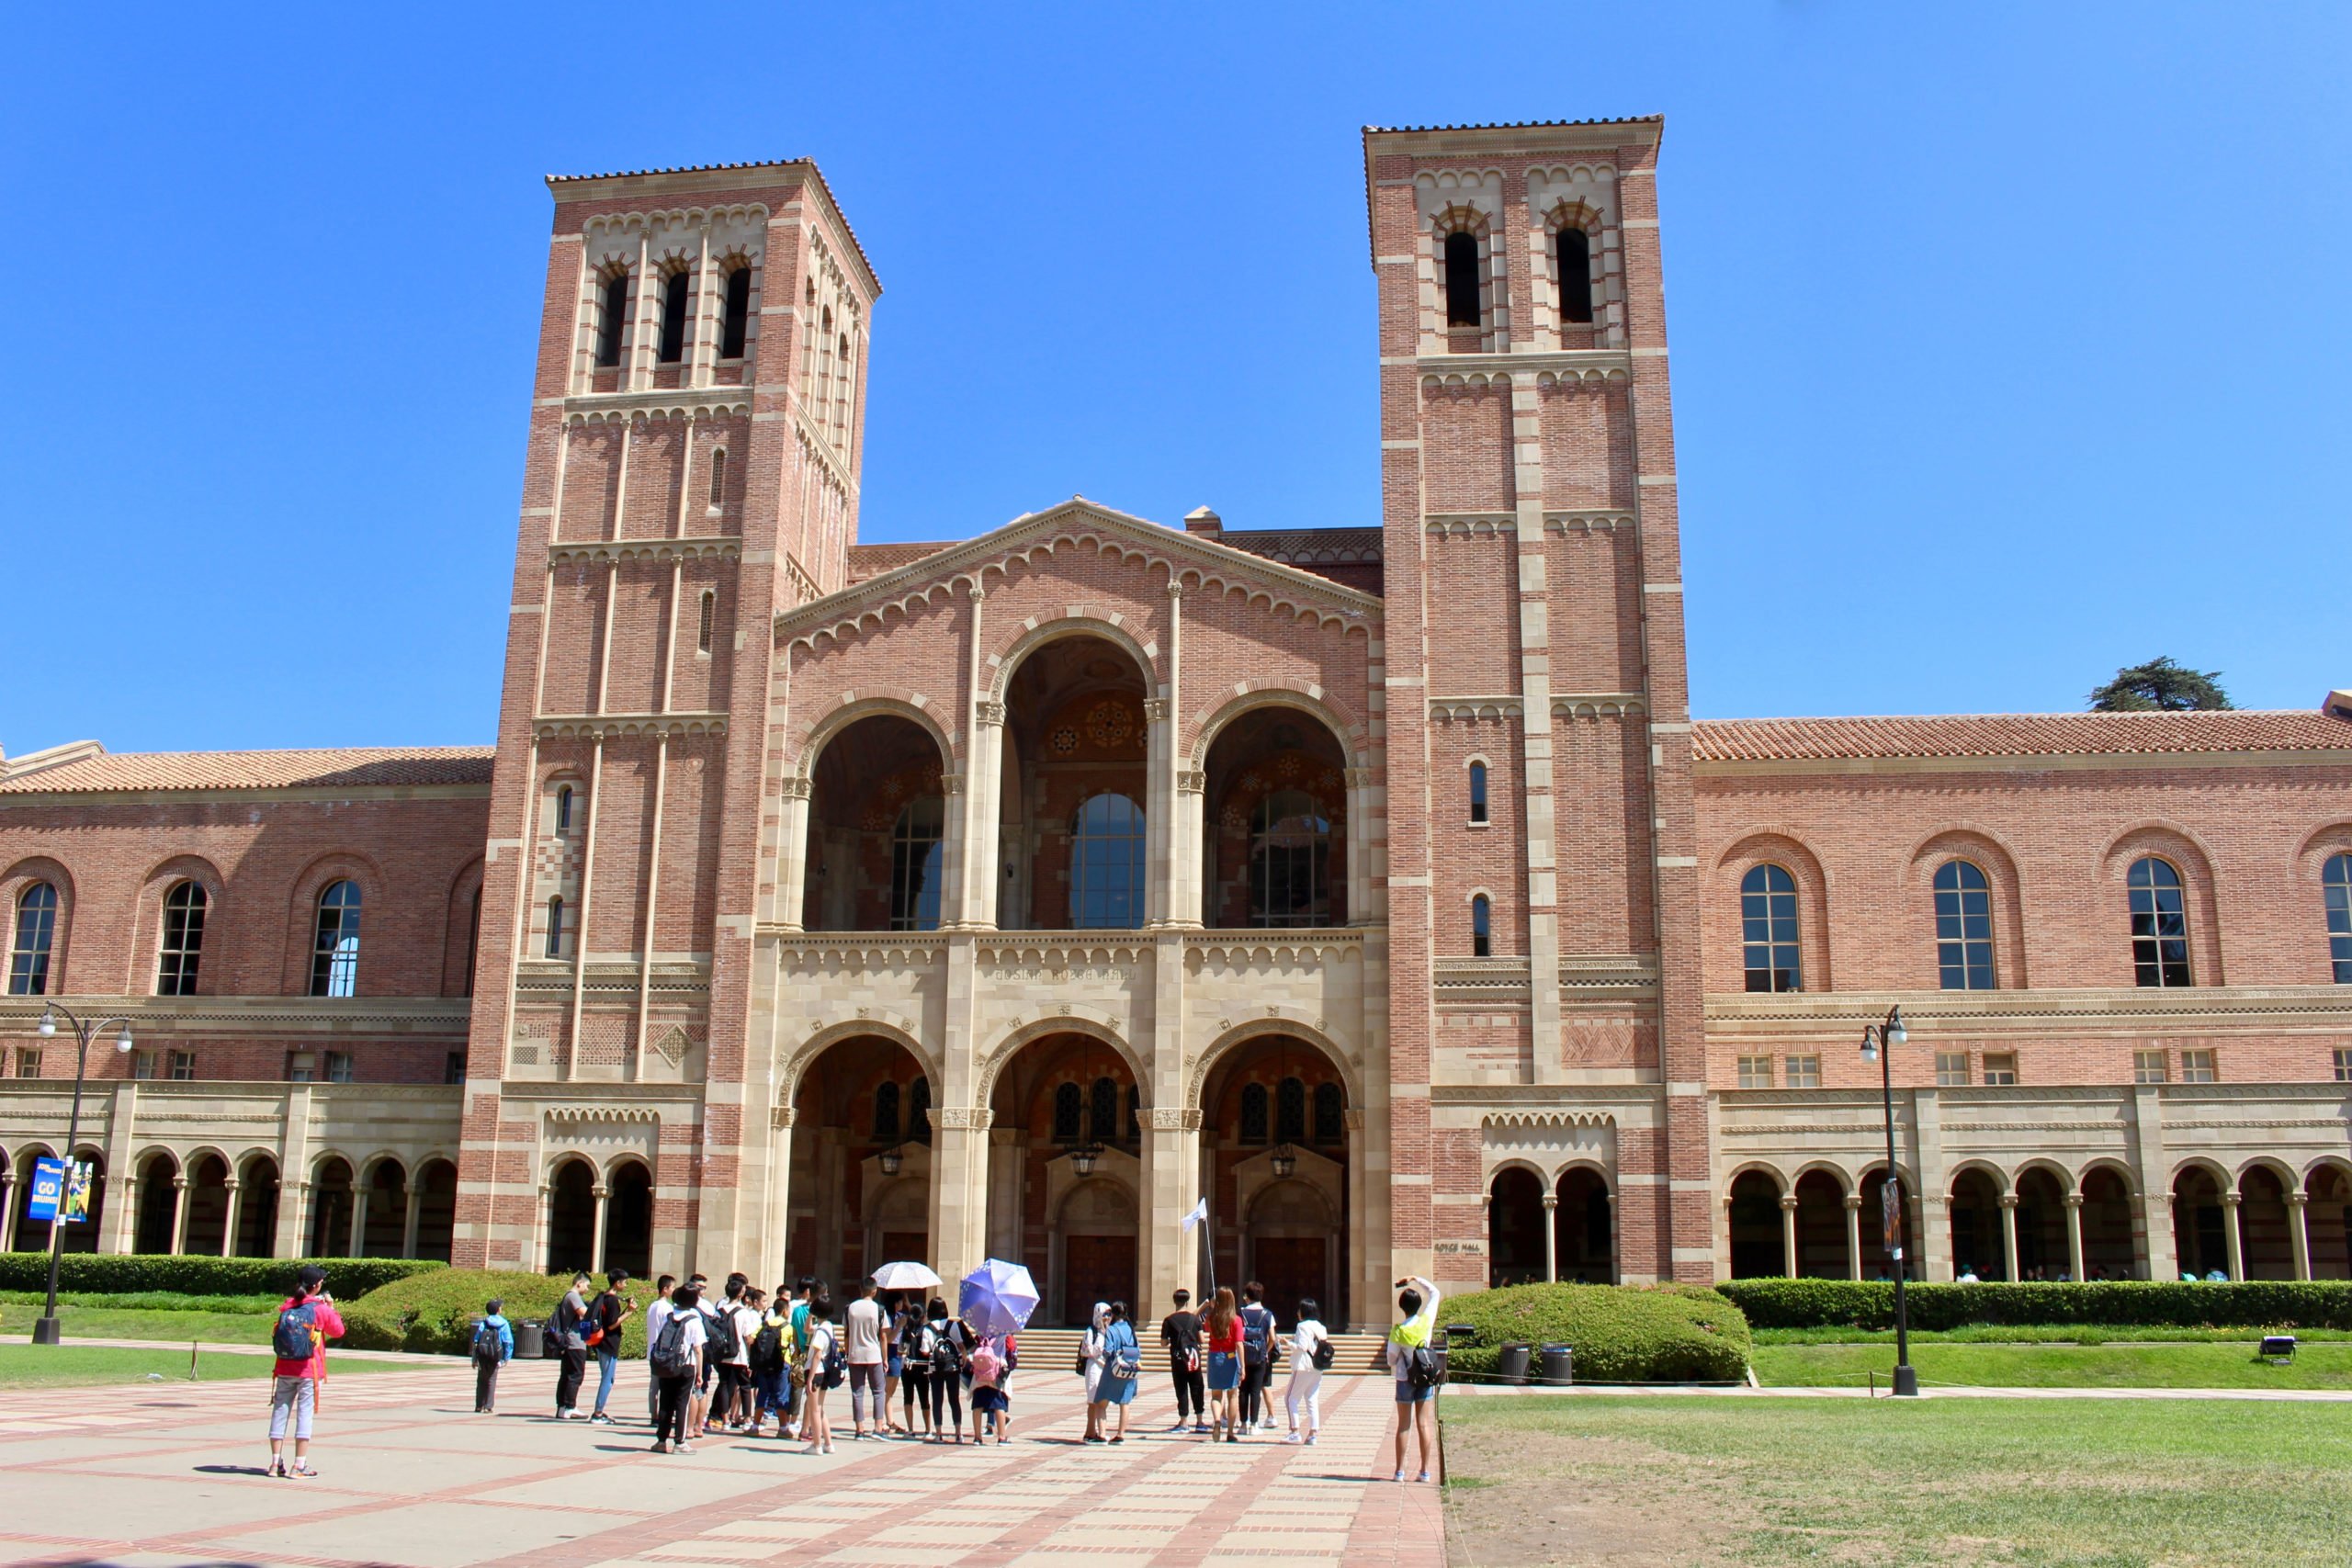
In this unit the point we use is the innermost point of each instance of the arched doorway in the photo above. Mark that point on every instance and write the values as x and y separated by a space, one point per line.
1068 1117
1274 1112
436 1209
1514 1228
84 1236
1758 1249
207 1229
1877 1262
27 1234
331 1207
1977 1246
2267 1248
861 1123
1821 1225
385 1227
257 1200
2042 1252
159 1203
2199 1234
1584 1228
2325 1218
1275 852
2111 1248
1289 1229
1072 828
877 829
629 1219
572 1217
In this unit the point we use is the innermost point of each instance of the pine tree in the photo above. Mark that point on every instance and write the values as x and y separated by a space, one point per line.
2160 686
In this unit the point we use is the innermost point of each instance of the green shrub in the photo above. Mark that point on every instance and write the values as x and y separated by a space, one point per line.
1620 1333
2113 1303
184 1274
437 1311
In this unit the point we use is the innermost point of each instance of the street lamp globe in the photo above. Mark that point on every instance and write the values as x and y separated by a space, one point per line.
1870 1043
122 1041
47 1025
1895 1033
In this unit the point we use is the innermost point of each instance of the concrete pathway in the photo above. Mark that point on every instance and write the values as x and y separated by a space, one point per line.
164 1476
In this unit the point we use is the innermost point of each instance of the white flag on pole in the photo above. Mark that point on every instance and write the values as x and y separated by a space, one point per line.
1200 1211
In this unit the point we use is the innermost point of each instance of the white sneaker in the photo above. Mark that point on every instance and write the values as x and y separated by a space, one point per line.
1310 1440
1294 1437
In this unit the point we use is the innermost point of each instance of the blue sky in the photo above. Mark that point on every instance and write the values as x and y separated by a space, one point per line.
2008 341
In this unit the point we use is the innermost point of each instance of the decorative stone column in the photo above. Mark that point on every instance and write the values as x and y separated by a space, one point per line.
1853 1236
293 1216
415 1199
604 1195
122 1219
359 1219
2074 1236
1172 1186
1359 899
7 1210
2231 1238
1789 1234
1551 1237
1932 1258
984 805
232 1212
959 1148
2299 1234
2009 1237
542 1231
791 851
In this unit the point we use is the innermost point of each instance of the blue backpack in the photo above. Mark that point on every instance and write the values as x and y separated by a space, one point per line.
297 1337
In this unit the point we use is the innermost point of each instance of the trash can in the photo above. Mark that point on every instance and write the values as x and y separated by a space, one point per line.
530 1341
1466 1332
1559 1365
1511 1365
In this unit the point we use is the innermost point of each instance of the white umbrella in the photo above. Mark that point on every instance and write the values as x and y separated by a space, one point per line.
904 1277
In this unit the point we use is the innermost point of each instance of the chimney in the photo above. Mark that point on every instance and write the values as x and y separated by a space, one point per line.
1204 521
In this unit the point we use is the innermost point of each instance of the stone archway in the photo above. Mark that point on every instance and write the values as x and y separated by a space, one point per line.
1757 1244
1095 1250
1289 1240
572 1217
1514 1228
859 1128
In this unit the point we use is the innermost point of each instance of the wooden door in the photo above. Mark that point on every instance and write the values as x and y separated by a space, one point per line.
1096 1268
1290 1267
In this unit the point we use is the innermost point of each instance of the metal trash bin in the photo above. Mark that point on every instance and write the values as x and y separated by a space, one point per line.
1466 1332
1510 1365
530 1341
1559 1365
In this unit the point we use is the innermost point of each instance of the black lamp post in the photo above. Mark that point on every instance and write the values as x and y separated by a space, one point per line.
45 1327
1907 1380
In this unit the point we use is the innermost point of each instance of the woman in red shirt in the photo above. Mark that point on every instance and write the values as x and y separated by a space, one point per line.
309 1316
1223 1328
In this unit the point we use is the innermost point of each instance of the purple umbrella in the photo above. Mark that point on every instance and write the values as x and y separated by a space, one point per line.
996 1297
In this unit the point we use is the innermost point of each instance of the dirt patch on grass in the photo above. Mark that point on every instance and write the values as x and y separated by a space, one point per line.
1516 1497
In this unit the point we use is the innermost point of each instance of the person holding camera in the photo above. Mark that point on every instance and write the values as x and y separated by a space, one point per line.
605 1316
305 1323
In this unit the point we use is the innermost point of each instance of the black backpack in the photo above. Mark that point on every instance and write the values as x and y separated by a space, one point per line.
767 1349
671 1359
1257 1335
1423 1367
724 1341
1323 1354
486 1344
947 1356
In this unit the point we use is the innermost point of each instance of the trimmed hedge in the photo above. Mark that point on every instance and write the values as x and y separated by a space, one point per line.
1620 1333
193 1275
2115 1304
437 1311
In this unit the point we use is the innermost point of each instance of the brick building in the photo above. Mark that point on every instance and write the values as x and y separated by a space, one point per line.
822 903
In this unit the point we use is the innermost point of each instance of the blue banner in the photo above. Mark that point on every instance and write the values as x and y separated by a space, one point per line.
49 1186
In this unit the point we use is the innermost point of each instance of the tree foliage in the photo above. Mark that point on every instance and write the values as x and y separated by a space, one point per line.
2160 686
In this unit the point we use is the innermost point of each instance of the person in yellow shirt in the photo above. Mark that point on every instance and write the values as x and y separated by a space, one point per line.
1416 1409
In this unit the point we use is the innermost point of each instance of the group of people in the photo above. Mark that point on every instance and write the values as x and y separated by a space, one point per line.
734 1359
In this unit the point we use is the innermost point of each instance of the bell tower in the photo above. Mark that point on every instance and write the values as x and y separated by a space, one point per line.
696 428
1535 646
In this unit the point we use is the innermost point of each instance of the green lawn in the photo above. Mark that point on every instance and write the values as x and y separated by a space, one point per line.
155 1301
169 1327
31 1366
2000 1334
2325 1365
2049 1483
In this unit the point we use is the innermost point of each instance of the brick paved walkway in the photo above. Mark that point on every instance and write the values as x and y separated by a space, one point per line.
157 1474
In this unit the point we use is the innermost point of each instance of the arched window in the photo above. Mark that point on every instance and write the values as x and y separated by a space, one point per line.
919 1110
182 946
1253 1114
914 865
1103 1111
335 945
36 929
1478 792
1576 274
735 326
1070 1111
1331 1114
612 316
1290 862
1106 885
564 809
674 317
2159 924
1289 1111
1963 927
555 926
2335 880
885 1113
718 477
1767 921
1462 280
1482 927
709 614
473 939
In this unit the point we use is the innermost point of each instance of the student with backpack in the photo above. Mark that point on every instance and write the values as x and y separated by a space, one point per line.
993 1359
1090 1367
606 1315
944 1346
1222 1329
569 1335
825 1366
914 1369
674 1353
730 1356
1122 1370
768 1360
1414 1363
493 1346
305 1323
655 1315
1311 1353
1181 1332
1257 1358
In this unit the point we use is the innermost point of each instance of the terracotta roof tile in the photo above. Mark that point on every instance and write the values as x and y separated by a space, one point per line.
1517 124
353 767
2018 735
